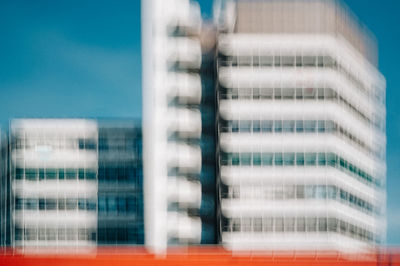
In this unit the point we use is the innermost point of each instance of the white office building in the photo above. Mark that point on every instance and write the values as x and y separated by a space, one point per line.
302 127
54 183
171 122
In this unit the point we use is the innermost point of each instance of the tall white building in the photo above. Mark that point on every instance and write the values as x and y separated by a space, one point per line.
302 127
54 183
171 122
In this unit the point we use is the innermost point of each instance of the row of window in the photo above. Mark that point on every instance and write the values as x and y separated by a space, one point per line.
53 234
52 173
295 61
122 173
298 159
290 192
55 144
296 224
292 126
112 144
118 205
293 94
52 204
121 235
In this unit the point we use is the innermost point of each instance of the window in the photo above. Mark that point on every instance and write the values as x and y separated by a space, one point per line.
256 61
320 192
299 93
122 205
235 126
51 173
288 93
266 93
289 224
328 61
290 192
111 205
61 173
321 93
309 125
279 224
236 192
236 225
71 174
309 61
256 93
331 159
102 204
288 61
31 204
245 126
245 93
90 174
311 224
42 204
246 224
81 204
266 60
320 61
332 192
19 203
30 174
299 126
235 159
288 158
256 126
257 159
310 158
299 61
299 158
71 204
257 224
51 234
41 174
61 204
278 192
278 159
245 159
278 126
321 159
81 173
19 173
309 93
61 234
278 93
277 61
300 192
51 204
332 224
288 126
321 126
322 224
268 224
266 126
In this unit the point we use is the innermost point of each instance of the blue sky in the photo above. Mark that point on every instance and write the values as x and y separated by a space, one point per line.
81 58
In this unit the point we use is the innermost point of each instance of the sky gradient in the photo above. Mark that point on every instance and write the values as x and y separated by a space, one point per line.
71 58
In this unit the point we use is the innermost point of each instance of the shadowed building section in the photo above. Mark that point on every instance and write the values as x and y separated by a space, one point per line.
120 193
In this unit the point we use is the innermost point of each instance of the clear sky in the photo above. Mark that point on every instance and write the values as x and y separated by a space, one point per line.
81 58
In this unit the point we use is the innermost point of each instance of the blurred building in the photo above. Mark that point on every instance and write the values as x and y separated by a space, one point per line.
209 141
172 122
74 183
54 182
120 194
301 127
5 192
